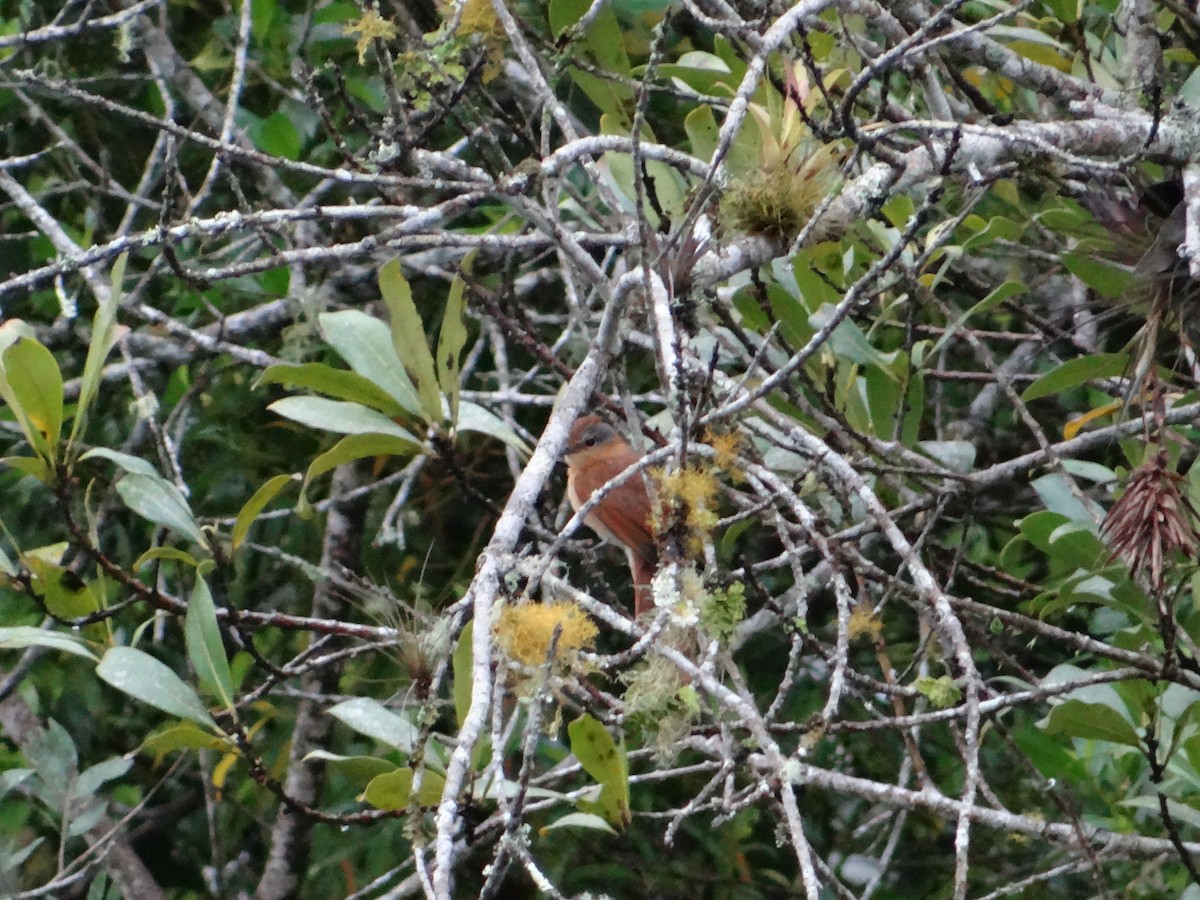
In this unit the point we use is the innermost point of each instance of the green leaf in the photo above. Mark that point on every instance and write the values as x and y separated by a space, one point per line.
339 416
184 736
255 505
957 456
1180 812
174 554
7 566
1054 490
94 777
104 337
408 337
205 648
32 466
604 761
1191 749
277 135
16 858
848 341
1105 279
792 315
473 417
462 672
702 131
365 343
154 498
1076 545
64 593
942 692
1068 11
358 446
126 461
994 298
369 717
1075 372
360 769
751 313
18 637
1091 721
35 393
703 72
563 14
579 820
393 790
262 12
999 228
336 383
144 678
451 340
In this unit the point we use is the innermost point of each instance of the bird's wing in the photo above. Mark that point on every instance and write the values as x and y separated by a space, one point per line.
625 511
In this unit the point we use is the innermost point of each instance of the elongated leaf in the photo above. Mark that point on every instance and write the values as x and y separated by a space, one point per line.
336 383
1077 424
1075 372
205 647
174 554
154 498
994 298
579 820
94 777
408 336
702 131
255 505
35 385
358 768
1181 812
365 343
126 461
33 466
849 341
602 759
462 672
369 717
15 858
7 566
104 336
144 678
1104 278
18 637
359 446
473 417
184 736
339 417
451 340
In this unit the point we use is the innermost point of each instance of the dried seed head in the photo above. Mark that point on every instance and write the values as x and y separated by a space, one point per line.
1151 521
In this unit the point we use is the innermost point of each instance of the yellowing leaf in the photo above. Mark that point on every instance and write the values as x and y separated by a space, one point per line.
408 335
1076 425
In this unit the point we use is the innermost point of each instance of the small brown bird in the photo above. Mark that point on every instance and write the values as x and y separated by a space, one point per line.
596 454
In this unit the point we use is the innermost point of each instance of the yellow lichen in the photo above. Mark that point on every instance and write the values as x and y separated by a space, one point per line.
864 623
726 447
524 632
695 489
479 18
370 26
